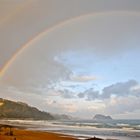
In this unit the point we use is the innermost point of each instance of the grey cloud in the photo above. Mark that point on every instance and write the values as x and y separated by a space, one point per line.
122 104
120 89
82 78
67 94
15 22
33 72
136 90
81 95
89 94
36 64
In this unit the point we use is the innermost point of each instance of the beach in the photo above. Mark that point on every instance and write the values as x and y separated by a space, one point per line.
9 133
64 130
21 134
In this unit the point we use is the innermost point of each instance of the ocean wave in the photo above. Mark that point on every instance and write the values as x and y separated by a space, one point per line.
81 127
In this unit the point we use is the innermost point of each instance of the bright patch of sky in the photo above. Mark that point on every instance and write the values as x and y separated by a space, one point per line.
106 70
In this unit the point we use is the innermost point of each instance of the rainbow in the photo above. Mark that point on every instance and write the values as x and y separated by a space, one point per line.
52 28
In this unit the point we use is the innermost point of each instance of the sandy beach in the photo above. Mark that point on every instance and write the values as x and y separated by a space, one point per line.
23 134
8 132
20 134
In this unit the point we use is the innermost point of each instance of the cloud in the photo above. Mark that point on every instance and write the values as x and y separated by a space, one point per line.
81 95
70 107
67 94
121 105
90 46
13 93
136 88
82 78
119 98
121 89
57 106
96 107
32 73
40 63
90 101
89 94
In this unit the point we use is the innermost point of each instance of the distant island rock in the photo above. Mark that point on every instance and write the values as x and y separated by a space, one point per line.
100 117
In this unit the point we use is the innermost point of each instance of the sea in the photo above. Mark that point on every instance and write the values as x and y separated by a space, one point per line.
108 130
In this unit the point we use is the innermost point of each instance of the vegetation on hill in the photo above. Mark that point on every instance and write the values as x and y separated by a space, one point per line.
18 110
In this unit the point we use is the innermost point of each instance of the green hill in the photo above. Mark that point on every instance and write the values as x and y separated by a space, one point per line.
18 110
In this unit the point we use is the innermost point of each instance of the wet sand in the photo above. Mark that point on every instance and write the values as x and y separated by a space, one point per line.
8 132
19 134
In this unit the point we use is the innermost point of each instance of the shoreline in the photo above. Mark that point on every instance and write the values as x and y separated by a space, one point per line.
9 132
22 132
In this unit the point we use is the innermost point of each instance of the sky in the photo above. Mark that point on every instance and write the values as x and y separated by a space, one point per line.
79 58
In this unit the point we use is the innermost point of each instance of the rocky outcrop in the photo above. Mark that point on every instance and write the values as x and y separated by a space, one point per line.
99 117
